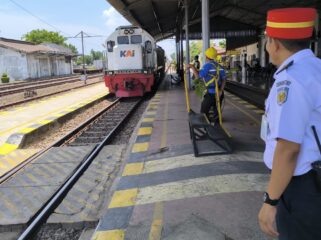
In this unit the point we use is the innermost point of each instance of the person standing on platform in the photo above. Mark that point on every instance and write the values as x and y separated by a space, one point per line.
292 200
197 63
210 70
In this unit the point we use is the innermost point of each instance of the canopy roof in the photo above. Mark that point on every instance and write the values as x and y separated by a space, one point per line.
231 19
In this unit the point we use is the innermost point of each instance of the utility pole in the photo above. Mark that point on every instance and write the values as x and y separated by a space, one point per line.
83 57
82 36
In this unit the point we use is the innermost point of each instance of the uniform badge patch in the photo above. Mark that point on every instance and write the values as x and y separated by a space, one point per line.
282 95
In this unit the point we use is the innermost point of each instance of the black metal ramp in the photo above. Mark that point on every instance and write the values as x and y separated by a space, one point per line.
206 138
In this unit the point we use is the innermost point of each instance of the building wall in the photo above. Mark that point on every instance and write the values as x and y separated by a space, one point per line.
13 63
60 66
251 51
21 66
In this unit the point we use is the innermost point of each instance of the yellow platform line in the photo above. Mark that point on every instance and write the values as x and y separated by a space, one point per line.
117 234
148 120
140 147
245 113
150 113
133 169
157 224
7 148
46 121
124 198
164 130
250 106
27 130
145 131
259 111
46 115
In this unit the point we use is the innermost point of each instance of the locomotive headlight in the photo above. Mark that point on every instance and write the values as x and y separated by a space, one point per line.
110 73
145 71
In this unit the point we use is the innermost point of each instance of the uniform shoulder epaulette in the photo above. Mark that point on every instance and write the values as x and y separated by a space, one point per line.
285 67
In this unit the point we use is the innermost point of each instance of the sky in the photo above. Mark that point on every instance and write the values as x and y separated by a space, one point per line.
68 17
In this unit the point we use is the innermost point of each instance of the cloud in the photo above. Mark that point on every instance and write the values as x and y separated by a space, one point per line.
113 19
11 27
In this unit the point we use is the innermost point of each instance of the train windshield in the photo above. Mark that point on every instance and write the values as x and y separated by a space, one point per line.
122 40
136 39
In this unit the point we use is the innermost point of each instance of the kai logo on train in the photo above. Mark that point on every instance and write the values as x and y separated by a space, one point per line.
127 53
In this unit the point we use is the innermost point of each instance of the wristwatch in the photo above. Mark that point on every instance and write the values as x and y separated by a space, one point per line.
268 200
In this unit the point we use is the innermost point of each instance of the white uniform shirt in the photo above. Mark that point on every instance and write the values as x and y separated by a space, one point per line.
293 106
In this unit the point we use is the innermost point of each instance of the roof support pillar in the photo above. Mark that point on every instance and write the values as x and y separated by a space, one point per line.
181 61
187 45
205 27
262 50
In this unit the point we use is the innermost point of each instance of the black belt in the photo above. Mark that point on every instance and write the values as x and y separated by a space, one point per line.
309 174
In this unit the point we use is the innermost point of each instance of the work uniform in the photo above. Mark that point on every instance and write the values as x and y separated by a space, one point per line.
292 107
208 71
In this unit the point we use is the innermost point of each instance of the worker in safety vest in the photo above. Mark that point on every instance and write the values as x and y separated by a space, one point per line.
210 72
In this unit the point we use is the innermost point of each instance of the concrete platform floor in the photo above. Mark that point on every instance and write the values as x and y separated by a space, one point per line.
164 192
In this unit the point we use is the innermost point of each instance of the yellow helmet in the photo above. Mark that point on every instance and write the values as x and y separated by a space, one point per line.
211 53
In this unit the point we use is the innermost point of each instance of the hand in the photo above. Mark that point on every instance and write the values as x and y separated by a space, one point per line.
188 66
267 220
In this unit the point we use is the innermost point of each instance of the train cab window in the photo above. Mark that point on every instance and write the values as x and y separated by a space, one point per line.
148 46
134 39
110 46
122 40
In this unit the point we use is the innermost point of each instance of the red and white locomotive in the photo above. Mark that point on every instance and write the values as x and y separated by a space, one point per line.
134 62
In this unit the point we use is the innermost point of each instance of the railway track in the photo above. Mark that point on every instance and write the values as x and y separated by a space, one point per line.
20 93
13 88
98 132
251 94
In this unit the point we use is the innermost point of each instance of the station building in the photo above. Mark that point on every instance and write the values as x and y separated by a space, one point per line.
23 60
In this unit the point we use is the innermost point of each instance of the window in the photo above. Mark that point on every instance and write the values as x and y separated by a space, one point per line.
110 46
136 39
123 40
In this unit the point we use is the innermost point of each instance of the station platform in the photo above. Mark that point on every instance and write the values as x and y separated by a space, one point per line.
27 119
165 192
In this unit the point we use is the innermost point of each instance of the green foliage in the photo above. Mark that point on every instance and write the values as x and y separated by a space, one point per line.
173 57
96 55
88 60
195 48
199 87
222 43
5 78
72 48
38 36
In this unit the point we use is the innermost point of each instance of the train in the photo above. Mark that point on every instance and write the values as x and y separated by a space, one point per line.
134 62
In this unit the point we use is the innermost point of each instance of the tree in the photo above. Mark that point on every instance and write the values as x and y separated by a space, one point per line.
195 48
88 60
222 43
173 57
38 36
96 55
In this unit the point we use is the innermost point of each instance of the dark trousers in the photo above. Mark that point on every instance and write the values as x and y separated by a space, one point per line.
209 101
299 210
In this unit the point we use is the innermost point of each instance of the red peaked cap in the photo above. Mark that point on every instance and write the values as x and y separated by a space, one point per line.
290 23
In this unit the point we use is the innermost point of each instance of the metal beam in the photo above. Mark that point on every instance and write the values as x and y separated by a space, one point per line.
187 45
156 17
205 27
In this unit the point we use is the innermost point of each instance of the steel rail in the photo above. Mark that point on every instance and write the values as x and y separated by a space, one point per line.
40 85
43 96
59 195
58 143
251 94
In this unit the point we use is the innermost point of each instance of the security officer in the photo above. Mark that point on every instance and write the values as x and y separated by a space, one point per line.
293 106
209 72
